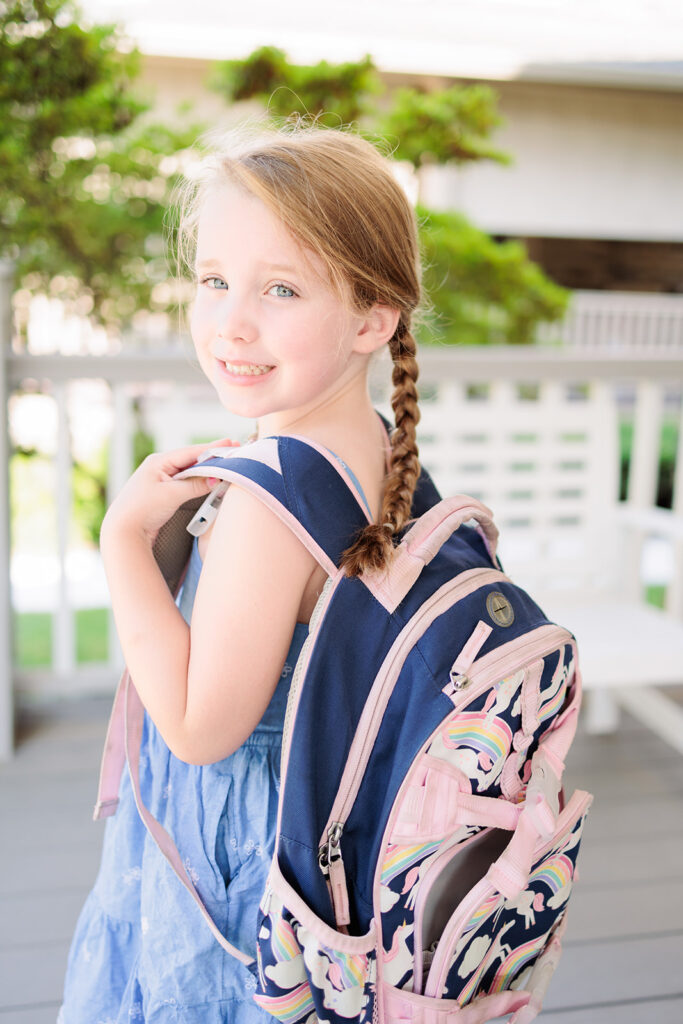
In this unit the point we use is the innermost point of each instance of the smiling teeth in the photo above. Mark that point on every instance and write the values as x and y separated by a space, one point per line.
250 370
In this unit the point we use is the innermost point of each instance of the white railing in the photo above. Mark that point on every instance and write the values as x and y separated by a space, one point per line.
619 322
178 406
596 320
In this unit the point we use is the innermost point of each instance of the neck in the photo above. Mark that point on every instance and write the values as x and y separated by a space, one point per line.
348 403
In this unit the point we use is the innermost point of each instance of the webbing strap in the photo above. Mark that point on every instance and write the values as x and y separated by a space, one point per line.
113 756
134 718
123 743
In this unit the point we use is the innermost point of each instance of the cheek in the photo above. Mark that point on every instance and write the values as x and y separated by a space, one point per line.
199 322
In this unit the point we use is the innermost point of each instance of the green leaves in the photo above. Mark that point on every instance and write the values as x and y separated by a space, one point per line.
84 183
85 179
482 291
444 125
334 93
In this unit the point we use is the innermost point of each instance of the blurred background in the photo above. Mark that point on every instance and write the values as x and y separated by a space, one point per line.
541 141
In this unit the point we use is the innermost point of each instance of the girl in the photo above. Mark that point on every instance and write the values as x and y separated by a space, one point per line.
305 254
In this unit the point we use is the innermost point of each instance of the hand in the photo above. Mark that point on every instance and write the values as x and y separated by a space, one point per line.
151 495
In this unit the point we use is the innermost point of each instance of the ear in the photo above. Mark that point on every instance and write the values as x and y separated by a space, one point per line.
376 329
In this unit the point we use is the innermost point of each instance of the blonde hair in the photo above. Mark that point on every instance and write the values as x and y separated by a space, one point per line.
337 196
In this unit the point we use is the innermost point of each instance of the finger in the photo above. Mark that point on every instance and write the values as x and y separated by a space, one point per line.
193 487
181 458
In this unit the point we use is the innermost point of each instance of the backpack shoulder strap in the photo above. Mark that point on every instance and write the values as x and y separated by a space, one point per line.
304 484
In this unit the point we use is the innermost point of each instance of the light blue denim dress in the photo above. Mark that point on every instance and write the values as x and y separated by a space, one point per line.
142 951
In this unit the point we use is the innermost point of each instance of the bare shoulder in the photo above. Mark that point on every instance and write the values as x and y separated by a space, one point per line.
250 550
248 597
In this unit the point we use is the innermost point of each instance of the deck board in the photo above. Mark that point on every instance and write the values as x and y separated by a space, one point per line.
624 942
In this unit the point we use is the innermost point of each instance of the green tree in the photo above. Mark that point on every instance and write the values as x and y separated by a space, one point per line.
84 176
443 125
333 93
479 291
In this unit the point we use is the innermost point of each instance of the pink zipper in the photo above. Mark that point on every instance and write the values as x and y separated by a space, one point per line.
439 970
375 706
486 670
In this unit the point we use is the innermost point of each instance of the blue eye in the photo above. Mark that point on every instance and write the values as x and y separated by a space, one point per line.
214 282
283 291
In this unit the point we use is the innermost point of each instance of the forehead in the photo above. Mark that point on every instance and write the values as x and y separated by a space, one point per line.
238 229
232 220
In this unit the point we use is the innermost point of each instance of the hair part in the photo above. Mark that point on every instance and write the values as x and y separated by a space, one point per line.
336 194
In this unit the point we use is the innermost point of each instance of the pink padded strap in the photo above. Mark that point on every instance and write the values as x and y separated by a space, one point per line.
438 803
134 714
435 527
422 542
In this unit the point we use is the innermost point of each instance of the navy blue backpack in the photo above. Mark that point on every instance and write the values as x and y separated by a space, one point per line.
424 852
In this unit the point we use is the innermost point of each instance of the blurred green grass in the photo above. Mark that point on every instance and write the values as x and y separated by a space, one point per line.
33 637
33 634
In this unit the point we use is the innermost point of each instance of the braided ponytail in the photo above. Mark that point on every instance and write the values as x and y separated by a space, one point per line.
374 546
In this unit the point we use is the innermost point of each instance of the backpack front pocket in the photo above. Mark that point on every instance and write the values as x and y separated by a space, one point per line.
306 968
491 941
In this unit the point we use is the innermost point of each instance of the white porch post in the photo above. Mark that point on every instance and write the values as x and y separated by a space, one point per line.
63 640
120 468
6 681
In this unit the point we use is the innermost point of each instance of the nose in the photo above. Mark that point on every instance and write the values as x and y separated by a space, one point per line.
235 320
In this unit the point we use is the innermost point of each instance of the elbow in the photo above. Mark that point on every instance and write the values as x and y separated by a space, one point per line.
196 749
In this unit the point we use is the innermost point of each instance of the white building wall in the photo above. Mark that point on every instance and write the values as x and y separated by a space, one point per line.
588 163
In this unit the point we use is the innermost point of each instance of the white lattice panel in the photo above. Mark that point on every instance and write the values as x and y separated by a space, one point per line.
548 468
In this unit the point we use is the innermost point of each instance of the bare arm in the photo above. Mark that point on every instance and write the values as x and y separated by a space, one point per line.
206 686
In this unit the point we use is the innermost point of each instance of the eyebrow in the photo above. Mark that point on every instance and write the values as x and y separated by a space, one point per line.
280 267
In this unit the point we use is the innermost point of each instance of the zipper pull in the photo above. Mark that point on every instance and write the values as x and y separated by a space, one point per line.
332 867
458 675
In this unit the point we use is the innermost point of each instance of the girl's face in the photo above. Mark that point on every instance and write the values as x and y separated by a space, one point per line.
271 334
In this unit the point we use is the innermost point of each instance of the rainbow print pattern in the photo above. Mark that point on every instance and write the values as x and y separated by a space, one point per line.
291 1007
284 943
556 873
471 729
347 970
302 979
553 706
553 698
514 964
482 912
399 859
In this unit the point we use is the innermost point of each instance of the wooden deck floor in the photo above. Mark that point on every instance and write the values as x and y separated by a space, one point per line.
623 959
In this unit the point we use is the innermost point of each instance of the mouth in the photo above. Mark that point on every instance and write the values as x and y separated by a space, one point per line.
244 369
